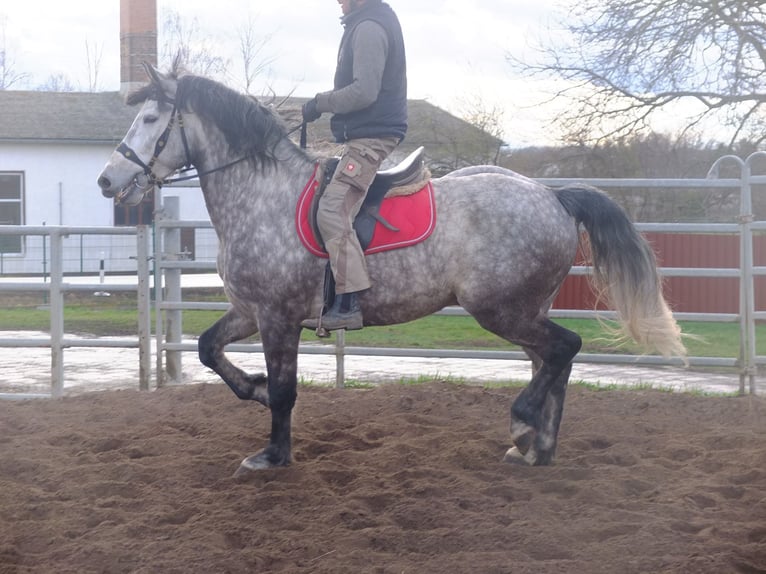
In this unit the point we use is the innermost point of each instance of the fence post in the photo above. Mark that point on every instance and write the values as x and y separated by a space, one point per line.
171 252
747 354
144 309
746 302
159 327
57 313
746 219
340 344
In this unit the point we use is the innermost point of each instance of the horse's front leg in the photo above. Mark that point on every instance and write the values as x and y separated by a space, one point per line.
233 326
280 348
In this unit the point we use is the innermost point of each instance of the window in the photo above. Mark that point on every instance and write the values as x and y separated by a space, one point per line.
11 209
141 214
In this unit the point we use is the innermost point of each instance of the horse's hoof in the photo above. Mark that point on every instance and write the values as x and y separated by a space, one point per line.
258 389
514 456
522 435
256 462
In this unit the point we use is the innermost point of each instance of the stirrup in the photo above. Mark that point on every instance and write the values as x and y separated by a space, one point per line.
316 325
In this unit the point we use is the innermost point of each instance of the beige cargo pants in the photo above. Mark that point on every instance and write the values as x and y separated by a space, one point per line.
340 204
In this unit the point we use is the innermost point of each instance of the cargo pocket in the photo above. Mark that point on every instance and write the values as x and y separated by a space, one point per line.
356 170
350 170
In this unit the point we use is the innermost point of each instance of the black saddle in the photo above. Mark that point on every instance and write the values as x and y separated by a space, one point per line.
405 173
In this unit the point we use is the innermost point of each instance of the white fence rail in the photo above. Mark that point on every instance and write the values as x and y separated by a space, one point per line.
169 262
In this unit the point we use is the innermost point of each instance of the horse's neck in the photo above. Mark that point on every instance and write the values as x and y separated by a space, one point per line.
250 191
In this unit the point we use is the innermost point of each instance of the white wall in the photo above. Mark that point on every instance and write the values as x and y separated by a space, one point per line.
60 182
61 189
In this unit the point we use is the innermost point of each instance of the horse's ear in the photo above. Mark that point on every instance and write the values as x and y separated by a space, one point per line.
166 84
152 72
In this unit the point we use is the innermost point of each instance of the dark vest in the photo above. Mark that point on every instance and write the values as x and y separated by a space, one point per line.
387 116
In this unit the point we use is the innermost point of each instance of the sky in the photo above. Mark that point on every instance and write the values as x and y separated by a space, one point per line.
456 50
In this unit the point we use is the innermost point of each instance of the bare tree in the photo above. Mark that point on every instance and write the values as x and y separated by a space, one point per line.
93 55
8 75
185 41
488 118
628 60
58 82
652 156
251 48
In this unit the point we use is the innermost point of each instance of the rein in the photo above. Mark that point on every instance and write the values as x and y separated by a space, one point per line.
152 178
301 127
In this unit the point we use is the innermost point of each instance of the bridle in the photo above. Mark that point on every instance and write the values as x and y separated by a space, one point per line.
152 179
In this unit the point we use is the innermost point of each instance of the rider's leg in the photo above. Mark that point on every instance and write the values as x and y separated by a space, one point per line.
338 207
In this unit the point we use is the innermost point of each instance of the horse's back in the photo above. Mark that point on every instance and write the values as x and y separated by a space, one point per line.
497 233
505 208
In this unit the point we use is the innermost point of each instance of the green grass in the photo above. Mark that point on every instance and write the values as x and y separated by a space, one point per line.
598 387
434 332
116 316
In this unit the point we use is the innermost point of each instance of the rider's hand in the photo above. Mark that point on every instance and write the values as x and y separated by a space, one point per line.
310 112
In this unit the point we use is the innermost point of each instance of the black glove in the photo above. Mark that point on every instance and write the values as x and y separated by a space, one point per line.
310 112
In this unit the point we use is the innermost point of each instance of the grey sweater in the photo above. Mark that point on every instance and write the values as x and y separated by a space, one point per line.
370 45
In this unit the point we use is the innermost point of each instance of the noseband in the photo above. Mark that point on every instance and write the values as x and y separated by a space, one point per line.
152 178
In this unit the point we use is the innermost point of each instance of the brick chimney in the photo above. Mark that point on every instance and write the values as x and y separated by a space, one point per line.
138 41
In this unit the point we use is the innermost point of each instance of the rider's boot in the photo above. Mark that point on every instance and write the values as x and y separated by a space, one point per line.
344 313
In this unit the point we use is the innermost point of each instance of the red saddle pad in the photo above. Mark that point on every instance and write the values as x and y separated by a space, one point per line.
413 215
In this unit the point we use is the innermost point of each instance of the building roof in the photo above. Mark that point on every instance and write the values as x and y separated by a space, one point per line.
63 117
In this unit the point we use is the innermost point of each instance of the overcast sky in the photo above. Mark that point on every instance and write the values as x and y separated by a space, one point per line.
456 50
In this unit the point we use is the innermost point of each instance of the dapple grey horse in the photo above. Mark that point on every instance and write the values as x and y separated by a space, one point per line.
502 246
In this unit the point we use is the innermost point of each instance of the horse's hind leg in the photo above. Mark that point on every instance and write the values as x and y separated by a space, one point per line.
536 412
543 447
233 326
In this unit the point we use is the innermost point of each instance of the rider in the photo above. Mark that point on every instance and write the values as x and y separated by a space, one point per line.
369 107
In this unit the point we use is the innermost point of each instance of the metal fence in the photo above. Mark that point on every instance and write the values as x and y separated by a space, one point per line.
170 261
747 363
55 287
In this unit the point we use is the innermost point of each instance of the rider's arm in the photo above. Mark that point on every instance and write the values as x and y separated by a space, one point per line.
370 46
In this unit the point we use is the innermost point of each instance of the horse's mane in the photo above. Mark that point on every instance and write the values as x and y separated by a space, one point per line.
250 128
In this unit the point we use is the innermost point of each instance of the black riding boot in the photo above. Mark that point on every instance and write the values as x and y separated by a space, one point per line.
343 314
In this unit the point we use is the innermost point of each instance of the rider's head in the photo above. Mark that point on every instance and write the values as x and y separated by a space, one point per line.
349 6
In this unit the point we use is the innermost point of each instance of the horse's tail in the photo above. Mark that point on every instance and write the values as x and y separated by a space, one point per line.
624 270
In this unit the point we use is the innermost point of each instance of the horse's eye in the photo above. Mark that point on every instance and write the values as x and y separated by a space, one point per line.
150 119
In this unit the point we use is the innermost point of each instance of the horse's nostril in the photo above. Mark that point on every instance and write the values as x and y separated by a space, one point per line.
104 182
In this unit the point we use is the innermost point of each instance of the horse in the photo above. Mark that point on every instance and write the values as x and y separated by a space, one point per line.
501 248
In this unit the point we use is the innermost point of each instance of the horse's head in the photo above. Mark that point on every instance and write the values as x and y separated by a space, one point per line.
152 150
